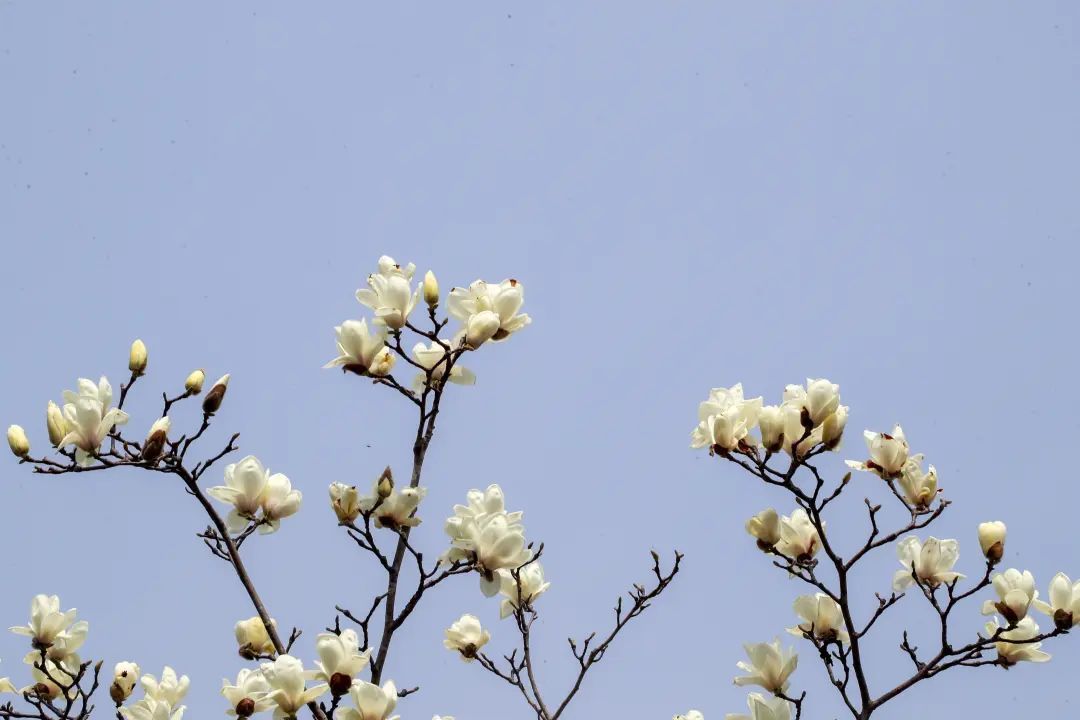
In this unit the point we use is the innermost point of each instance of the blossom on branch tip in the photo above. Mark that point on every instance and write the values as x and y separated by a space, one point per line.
799 539
1016 591
1064 605
931 562
55 424
764 708
765 527
17 441
279 501
249 695
771 423
212 402
340 660
1014 644
156 438
389 293
361 351
345 501
252 639
48 624
431 289
497 304
289 691
770 666
245 485
822 618
193 383
392 508
137 358
434 358
920 488
725 420
466 636
150 709
992 540
524 590
372 702
125 678
469 521
888 453
169 689
89 418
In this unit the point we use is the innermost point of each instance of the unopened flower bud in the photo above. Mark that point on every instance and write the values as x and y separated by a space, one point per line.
57 425
125 677
345 501
431 289
386 483
156 439
212 402
992 540
252 638
195 381
771 423
17 441
137 358
481 327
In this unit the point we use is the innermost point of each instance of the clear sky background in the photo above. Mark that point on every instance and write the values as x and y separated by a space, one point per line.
693 194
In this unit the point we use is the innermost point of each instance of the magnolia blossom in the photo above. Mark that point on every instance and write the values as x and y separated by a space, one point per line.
55 424
764 708
498 544
345 501
765 526
17 441
89 419
169 689
463 525
524 590
466 636
1016 591
193 383
479 305
372 702
250 487
49 625
150 709
279 501
920 488
253 639
389 293
340 660
771 423
1012 644
249 695
799 538
932 562
770 666
888 453
287 682
156 438
397 509
45 682
822 618
125 677
1064 606
137 357
361 351
430 290
725 419
992 540
820 399
434 358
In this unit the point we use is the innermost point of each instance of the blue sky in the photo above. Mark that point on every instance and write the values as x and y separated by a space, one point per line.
692 193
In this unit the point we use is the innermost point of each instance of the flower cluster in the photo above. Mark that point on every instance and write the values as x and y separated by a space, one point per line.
257 496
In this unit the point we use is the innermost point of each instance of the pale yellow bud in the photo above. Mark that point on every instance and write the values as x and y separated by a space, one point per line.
992 540
431 289
137 358
17 441
57 425
386 483
195 381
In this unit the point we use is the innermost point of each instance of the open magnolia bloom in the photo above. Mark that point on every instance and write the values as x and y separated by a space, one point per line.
498 545
250 694
345 500
765 527
286 677
1016 591
279 501
49 625
770 666
919 488
1014 645
372 702
888 453
764 708
244 488
498 303
434 358
361 351
813 411
398 509
525 590
822 618
169 689
1064 605
340 660
88 418
389 293
799 538
725 419
466 636
932 563
150 709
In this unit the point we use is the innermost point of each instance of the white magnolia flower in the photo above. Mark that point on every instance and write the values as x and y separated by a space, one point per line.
89 418
372 702
822 618
481 303
763 708
150 709
1012 646
992 540
466 636
765 527
193 383
55 424
279 501
169 689
397 510
345 501
49 625
888 453
44 683
66 645
464 525
1064 606
920 488
252 638
799 538
125 678
820 399
770 666
725 419
498 544
361 351
431 291
137 357
17 441
931 562
245 486
434 358
832 429
389 293
1016 591
249 695
287 682
529 586
771 423
340 660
